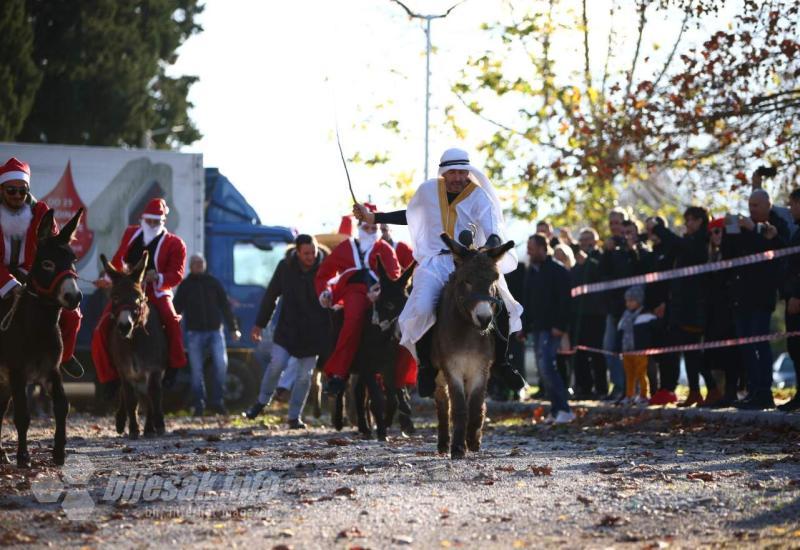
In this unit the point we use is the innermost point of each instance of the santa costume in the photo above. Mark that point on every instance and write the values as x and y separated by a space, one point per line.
167 256
18 244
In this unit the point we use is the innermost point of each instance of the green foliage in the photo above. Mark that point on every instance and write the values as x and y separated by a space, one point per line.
19 76
104 65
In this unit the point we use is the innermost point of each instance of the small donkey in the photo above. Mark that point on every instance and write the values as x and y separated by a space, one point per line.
463 345
138 348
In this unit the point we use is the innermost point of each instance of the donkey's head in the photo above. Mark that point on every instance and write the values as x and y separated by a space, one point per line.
53 273
391 296
128 300
475 279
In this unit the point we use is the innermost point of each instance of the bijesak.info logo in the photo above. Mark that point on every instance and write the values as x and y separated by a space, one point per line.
204 493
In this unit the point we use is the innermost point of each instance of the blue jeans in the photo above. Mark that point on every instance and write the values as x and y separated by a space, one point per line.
546 346
302 383
614 363
213 342
757 357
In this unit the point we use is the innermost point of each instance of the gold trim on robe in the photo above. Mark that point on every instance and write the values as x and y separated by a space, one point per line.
448 211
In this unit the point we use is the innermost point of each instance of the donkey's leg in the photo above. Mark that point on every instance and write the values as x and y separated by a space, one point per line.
476 411
377 404
458 414
157 403
390 396
338 411
5 399
131 401
60 411
121 416
404 414
22 418
315 395
360 397
442 400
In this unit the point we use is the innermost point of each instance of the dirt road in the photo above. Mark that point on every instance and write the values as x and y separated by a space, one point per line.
606 480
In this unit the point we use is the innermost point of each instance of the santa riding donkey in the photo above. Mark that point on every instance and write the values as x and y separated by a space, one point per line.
460 199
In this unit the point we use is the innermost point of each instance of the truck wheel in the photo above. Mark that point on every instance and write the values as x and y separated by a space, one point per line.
241 386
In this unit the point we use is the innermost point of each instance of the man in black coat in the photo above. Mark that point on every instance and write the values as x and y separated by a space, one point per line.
589 320
754 290
302 330
546 317
792 294
204 304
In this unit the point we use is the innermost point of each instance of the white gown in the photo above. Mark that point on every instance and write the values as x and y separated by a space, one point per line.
477 205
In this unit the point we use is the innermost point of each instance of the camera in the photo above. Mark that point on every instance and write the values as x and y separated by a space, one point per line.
766 171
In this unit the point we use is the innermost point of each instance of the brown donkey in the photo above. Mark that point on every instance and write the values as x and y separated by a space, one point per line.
463 344
138 349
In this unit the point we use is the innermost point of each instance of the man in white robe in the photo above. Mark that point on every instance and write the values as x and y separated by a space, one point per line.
461 198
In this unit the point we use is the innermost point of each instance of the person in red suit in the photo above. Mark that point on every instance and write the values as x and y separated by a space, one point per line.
342 281
20 214
167 257
405 254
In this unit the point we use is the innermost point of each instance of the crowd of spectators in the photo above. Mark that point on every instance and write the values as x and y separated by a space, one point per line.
718 305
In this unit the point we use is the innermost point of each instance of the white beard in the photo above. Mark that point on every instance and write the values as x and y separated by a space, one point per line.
15 223
150 233
366 240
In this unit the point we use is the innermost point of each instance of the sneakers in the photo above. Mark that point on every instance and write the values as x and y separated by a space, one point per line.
254 411
712 398
297 424
792 405
758 402
335 385
219 410
564 417
694 398
663 397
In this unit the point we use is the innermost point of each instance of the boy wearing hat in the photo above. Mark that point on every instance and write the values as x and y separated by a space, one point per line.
635 332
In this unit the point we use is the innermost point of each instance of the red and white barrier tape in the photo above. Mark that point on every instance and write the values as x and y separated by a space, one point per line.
685 271
690 347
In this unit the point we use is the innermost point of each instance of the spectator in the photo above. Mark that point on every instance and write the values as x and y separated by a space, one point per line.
302 329
622 258
589 320
753 293
636 328
203 303
780 211
655 300
545 228
686 308
726 363
562 253
546 318
792 294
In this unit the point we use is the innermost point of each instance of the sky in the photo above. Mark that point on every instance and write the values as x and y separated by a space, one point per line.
277 78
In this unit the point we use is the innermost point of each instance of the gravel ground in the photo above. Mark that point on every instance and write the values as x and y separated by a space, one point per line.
609 479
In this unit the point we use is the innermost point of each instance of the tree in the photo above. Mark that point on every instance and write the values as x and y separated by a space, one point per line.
104 65
634 115
19 75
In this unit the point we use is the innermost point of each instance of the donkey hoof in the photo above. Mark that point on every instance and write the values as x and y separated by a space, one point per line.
457 453
133 435
474 446
120 425
161 430
23 460
365 435
443 448
149 434
383 437
58 456
4 458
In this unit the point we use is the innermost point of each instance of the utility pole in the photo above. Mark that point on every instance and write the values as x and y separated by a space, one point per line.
427 29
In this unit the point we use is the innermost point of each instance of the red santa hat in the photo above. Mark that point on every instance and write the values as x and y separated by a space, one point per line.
371 207
156 209
717 223
346 226
15 169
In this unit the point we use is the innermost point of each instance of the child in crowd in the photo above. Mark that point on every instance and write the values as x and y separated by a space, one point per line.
635 332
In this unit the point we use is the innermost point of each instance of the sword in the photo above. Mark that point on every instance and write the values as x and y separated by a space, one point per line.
344 162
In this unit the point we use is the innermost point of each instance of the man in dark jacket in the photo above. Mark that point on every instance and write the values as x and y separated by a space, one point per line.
204 304
302 329
589 314
754 290
792 294
546 317
686 307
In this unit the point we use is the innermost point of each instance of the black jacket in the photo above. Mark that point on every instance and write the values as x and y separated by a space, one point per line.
303 324
589 272
754 287
547 297
687 298
656 294
791 285
203 303
617 264
720 323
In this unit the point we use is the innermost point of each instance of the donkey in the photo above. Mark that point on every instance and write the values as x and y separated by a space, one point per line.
377 355
30 340
463 345
138 349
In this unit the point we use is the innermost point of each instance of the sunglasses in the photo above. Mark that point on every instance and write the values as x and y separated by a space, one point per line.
11 191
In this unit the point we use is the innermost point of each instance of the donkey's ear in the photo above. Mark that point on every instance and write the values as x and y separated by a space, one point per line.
406 275
46 225
137 273
381 270
458 250
67 232
497 252
110 270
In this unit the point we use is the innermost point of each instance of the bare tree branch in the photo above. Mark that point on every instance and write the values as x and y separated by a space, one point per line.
415 15
668 62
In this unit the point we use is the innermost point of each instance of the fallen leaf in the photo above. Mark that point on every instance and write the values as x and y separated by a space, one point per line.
702 476
344 491
541 470
584 500
610 521
338 442
352 533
